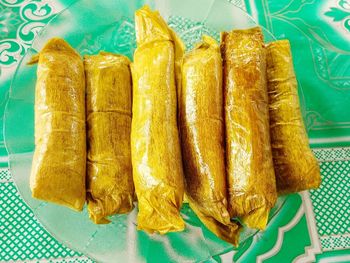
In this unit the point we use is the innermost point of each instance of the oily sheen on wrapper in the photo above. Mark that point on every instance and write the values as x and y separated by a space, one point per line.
155 145
110 187
202 137
250 172
59 162
296 167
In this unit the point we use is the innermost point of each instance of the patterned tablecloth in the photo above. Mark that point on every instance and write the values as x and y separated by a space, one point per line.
312 226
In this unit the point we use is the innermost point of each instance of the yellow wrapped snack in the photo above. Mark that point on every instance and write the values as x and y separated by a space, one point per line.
155 145
110 188
202 135
59 162
296 168
251 178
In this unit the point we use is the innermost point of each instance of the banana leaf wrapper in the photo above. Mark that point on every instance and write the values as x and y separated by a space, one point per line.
250 172
202 135
59 163
155 145
296 167
110 187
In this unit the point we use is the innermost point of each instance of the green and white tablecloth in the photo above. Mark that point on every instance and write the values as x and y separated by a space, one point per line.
312 226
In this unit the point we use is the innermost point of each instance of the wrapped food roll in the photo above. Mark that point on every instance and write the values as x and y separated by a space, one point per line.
202 135
59 162
155 145
250 172
296 168
110 188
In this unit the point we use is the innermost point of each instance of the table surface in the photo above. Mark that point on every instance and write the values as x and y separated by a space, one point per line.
312 226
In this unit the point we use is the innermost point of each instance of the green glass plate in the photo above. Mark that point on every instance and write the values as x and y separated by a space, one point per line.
90 26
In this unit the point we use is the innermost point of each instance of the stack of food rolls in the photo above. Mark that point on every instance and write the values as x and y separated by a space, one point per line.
220 124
